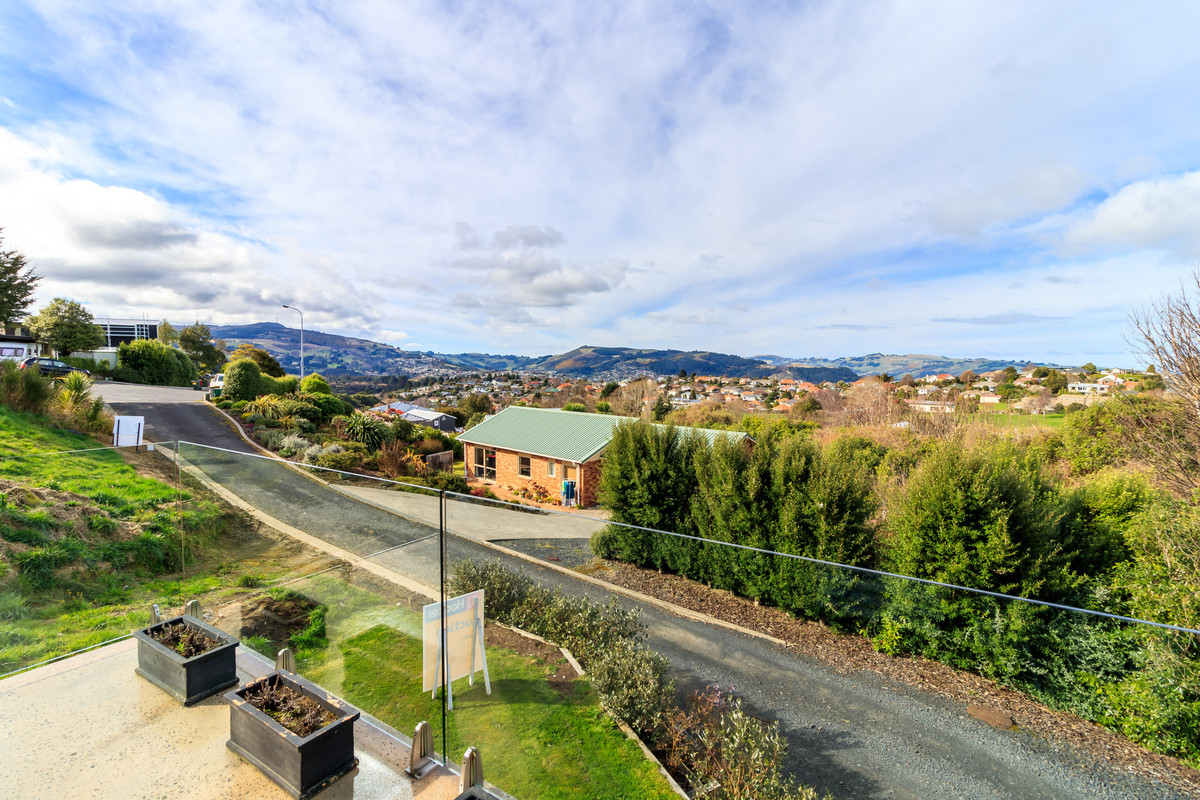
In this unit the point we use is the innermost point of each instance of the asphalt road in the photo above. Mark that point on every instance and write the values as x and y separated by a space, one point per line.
856 736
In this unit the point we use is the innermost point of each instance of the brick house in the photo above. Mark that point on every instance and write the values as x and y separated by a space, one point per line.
522 446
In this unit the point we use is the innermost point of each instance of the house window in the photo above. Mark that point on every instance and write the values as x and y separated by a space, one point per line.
524 469
550 468
485 464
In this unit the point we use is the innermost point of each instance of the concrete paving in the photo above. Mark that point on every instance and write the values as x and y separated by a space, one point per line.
88 726
487 522
114 392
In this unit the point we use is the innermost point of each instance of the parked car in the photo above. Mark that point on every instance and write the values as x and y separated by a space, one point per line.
50 366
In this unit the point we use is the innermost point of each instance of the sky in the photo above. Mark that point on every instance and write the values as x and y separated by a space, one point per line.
984 179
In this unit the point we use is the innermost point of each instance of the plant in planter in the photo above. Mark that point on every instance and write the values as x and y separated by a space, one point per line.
187 658
298 734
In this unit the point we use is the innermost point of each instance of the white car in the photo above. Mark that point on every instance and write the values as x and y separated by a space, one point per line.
217 381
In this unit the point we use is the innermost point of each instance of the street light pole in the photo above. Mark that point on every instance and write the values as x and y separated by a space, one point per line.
301 313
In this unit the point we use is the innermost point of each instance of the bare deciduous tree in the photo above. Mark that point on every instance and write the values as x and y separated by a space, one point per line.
1166 434
1168 334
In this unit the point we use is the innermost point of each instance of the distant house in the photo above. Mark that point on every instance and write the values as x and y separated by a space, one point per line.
932 406
17 343
418 415
1088 388
521 446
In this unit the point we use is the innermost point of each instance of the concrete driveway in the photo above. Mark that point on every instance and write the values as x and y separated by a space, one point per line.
114 392
486 522
173 414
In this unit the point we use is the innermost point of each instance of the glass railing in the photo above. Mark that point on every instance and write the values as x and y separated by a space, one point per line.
660 629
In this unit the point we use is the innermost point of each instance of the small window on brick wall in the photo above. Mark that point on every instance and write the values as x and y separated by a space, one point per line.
524 468
550 468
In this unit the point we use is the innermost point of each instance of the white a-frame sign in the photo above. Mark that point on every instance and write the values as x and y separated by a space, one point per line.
459 647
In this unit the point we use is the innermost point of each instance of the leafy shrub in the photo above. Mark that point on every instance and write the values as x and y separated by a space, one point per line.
74 392
329 406
293 443
367 430
226 405
634 683
1092 438
243 380
340 461
152 362
271 439
396 460
402 429
276 386
716 744
315 384
449 482
606 639
249 581
93 366
23 389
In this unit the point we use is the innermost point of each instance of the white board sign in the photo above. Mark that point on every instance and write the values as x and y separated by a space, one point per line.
463 643
127 431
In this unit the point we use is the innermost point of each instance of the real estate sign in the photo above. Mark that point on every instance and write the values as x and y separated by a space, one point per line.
463 643
127 431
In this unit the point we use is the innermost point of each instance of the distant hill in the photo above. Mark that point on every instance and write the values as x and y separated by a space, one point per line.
330 353
915 364
627 362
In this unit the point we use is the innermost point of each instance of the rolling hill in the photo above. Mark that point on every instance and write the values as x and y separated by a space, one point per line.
333 354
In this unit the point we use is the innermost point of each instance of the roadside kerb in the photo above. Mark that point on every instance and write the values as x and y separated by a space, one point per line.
313 541
597 582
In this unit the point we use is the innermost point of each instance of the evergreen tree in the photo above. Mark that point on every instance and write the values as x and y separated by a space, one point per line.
17 282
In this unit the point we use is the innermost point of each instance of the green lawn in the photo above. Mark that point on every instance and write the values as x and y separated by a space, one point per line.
33 455
79 571
1001 418
535 742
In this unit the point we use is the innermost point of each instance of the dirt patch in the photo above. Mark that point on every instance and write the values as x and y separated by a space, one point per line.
68 511
848 653
273 619
563 677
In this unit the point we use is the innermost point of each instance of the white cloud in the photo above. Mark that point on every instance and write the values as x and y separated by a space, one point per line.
487 177
1154 214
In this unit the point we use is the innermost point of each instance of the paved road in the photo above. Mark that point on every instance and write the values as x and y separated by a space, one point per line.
855 736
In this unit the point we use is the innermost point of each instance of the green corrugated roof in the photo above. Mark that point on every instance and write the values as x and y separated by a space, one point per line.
553 433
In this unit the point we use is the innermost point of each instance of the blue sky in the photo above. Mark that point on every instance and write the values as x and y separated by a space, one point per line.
1006 180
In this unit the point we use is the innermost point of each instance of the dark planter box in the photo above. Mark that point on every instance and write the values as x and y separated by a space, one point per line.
188 680
305 765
